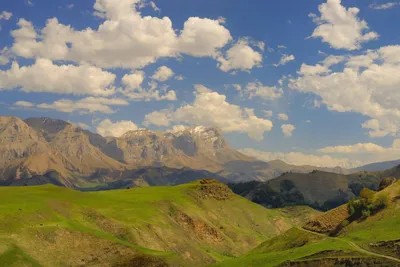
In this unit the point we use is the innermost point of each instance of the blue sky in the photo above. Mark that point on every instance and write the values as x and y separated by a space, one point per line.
113 66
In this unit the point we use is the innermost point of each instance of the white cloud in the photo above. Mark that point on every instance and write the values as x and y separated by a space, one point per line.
384 6
154 6
117 129
124 39
163 74
85 105
358 148
340 27
70 6
4 56
159 118
135 91
283 117
268 113
179 77
287 129
298 158
257 89
285 59
366 152
371 90
203 37
202 89
44 76
134 80
212 109
221 20
308 121
237 87
312 70
240 57
282 47
24 104
5 15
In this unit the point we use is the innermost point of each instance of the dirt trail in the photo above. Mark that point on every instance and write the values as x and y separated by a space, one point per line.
355 246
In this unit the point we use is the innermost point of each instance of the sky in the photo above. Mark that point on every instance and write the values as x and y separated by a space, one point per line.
308 82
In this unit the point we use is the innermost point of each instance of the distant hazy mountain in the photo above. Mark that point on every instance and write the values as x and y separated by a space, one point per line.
379 166
320 189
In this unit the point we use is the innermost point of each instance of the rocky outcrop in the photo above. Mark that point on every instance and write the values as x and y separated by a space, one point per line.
198 228
329 221
213 189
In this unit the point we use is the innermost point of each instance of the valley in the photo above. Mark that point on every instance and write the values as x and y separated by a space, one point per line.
183 198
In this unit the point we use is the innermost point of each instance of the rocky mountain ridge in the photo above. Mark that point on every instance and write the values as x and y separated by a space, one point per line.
36 146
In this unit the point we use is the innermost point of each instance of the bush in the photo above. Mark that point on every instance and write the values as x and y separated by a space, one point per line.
366 213
368 203
367 195
382 201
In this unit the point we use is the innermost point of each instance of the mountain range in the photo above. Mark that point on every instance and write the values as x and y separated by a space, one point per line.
37 146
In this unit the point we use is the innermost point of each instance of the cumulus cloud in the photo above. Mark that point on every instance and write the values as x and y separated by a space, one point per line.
384 6
211 109
163 74
366 152
240 57
341 27
85 105
367 84
124 39
283 117
257 89
45 76
5 15
285 59
298 158
201 88
115 129
134 89
152 92
134 80
287 130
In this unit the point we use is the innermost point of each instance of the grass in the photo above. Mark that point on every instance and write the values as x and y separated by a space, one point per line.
293 245
296 244
53 226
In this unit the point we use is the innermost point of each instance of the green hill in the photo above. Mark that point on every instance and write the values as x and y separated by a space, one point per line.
372 240
188 225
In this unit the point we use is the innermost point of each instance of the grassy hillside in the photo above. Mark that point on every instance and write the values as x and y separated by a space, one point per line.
192 225
368 241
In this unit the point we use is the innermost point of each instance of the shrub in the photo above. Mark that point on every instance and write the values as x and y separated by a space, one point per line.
382 201
366 213
367 195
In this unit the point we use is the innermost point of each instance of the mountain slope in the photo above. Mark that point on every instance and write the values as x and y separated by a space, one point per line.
378 166
191 225
371 241
319 189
